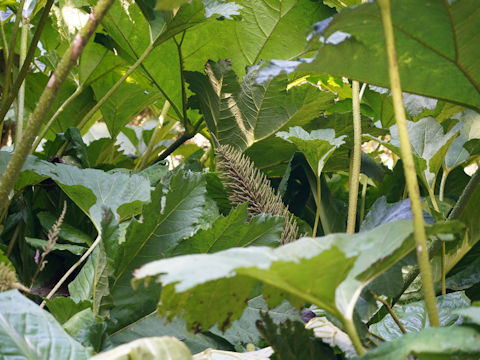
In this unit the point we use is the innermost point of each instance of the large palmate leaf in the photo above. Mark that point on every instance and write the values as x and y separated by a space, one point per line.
173 214
240 114
414 318
431 343
328 271
94 190
28 332
429 146
435 43
317 146
235 230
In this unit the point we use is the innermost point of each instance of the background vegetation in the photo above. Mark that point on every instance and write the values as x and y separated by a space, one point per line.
237 176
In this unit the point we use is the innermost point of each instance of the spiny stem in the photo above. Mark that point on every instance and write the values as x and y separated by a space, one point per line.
356 158
154 139
409 166
46 101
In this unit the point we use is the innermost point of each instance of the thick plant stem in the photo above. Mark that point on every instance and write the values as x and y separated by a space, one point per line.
26 65
154 139
352 333
356 158
114 88
46 100
72 269
409 166
21 93
50 122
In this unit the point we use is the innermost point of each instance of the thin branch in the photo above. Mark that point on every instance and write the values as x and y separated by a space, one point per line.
21 93
392 314
72 269
182 79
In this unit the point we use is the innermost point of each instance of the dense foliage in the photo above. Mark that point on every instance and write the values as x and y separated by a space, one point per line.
188 175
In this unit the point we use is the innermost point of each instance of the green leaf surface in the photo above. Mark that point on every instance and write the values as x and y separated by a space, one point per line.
63 308
234 231
87 328
328 271
94 190
153 325
429 142
414 317
28 332
472 313
148 349
67 232
173 214
243 331
240 114
432 37
317 146
432 343
41 244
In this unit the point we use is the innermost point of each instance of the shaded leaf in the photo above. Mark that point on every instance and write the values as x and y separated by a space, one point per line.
290 340
234 231
173 214
317 146
63 308
240 114
303 269
26 331
433 38
431 343
414 317
472 313
42 244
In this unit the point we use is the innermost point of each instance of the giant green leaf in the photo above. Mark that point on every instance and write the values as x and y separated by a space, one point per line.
456 342
435 44
29 332
235 230
429 146
240 114
94 190
328 271
173 214
317 146
413 316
